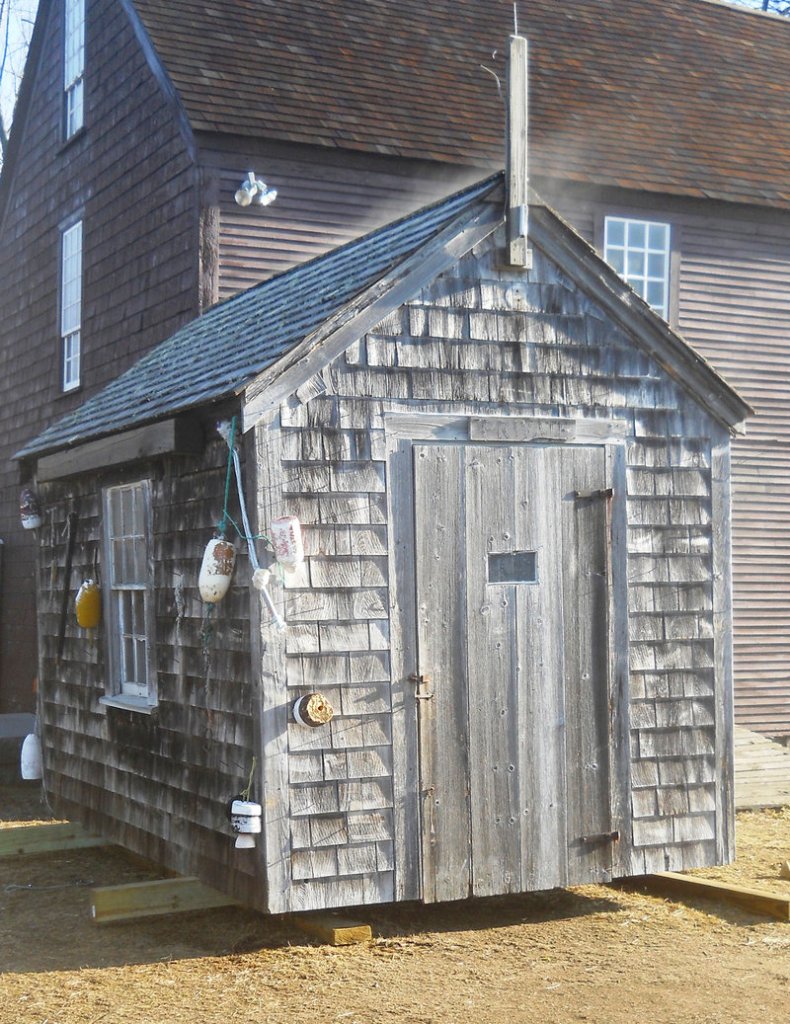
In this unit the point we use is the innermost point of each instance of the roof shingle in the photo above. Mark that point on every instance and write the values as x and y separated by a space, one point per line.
682 96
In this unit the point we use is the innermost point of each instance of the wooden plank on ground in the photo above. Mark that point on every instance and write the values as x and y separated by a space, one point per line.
150 899
335 931
27 840
756 900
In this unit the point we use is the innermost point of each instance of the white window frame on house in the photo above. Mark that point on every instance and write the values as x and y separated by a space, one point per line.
73 66
71 305
640 251
129 613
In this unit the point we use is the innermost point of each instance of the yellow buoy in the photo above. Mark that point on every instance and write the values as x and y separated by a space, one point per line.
89 605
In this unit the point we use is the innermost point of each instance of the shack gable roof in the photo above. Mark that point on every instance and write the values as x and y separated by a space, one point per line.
277 331
678 96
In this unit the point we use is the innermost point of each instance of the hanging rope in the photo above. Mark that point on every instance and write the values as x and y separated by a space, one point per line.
260 576
222 525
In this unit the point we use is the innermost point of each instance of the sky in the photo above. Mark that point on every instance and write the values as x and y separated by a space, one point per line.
16 29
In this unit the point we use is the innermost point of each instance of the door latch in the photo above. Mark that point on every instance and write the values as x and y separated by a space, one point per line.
418 680
602 837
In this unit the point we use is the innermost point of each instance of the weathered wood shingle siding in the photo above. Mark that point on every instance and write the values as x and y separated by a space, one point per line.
158 784
324 200
129 176
733 305
458 349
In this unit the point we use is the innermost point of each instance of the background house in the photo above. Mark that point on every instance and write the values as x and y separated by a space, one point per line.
669 115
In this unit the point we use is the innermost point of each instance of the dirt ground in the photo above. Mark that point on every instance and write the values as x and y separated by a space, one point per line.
594 954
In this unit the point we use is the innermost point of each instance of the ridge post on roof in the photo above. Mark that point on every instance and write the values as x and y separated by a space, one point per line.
518 252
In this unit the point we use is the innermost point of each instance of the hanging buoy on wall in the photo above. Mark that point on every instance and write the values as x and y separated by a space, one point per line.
30 763
286 534
219 558
88 605
312 710
245 820
29 509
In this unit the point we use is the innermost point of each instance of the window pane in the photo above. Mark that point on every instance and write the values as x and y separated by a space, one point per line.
616 259
615 231
656 265
635 265
655 295
658 236
636 234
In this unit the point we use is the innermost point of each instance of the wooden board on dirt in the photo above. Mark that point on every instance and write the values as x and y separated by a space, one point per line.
334 931
756 900
27 840
151 899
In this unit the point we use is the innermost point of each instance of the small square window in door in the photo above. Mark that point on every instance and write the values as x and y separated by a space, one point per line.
513 567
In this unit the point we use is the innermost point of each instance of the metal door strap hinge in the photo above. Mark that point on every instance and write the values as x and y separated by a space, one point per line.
607 492
424 696
602 837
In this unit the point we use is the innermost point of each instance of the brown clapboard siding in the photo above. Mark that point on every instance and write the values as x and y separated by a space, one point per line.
129 175
324 200
733 305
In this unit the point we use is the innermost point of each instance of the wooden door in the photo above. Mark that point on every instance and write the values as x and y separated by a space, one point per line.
512 667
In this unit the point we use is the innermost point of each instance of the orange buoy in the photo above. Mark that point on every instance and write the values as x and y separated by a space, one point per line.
88 605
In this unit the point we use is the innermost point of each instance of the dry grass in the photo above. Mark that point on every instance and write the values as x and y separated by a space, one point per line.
593 954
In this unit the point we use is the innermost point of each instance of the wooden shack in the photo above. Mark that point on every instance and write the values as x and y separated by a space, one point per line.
513 490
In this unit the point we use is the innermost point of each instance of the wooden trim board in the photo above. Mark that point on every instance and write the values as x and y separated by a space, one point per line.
150 899
756 900
28 840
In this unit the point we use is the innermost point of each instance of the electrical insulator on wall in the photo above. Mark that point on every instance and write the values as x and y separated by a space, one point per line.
219 559
88 605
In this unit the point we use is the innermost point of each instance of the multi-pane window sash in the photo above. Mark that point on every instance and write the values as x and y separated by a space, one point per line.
71 304
73 64
127 510
639 251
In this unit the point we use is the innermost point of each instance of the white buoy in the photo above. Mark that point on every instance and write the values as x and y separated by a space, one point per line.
30 762
219 559
245 820
286 536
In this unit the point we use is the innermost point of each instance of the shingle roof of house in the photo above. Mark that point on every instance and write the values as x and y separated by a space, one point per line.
215 355
220 353
680 96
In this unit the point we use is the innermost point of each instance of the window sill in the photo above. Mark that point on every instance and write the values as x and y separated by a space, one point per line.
138 704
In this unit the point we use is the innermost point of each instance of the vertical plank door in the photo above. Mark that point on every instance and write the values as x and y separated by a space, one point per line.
511 667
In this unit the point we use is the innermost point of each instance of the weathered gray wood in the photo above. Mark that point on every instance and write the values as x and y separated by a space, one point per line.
180 436
517 153
585 598
721 512
403 621
354 320
495 673
268 665
631 315
441 625
618 670
507 428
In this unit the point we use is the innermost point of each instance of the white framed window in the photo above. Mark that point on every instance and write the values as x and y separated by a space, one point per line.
73 64
639 251
71 304
129 594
